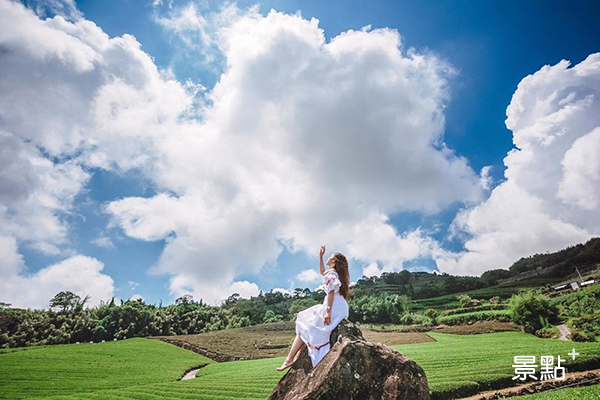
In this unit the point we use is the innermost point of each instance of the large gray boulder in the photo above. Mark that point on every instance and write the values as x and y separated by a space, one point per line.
353 369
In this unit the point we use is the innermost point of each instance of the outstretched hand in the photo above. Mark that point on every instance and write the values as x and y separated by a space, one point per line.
322 252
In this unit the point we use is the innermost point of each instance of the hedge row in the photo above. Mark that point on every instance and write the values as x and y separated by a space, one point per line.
489 315
464 310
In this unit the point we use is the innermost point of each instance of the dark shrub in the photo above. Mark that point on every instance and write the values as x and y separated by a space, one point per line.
431 313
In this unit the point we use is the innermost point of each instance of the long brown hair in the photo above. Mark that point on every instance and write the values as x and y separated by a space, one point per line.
341 267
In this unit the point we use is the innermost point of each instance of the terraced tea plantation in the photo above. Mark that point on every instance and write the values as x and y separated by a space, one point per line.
454 364
42 371
449 301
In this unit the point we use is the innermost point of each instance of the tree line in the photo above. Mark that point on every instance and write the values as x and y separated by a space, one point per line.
67 321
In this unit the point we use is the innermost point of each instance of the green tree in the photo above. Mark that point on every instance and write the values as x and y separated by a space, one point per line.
431 313
65 301
405 276
405 304
531 309
270 316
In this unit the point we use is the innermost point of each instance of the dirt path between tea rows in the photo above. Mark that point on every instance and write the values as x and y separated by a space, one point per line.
190 375
564 332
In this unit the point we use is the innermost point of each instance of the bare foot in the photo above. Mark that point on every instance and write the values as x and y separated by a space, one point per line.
287 363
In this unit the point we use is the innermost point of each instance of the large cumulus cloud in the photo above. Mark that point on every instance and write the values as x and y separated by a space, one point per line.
550 198
304 142
300 142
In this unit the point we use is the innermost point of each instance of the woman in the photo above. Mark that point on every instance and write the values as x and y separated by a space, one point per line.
314 325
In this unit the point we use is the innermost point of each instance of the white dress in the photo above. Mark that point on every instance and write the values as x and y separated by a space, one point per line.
309 322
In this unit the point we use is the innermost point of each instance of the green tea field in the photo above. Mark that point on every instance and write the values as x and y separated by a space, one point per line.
461 365
64 369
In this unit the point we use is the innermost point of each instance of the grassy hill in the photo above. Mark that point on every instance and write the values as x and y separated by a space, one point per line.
64 369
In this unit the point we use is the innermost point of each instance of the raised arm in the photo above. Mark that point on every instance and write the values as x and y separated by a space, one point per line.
321 254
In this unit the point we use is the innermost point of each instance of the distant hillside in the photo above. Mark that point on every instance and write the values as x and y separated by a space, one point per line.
557 266
417 285
535 270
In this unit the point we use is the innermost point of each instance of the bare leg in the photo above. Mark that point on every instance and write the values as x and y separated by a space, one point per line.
296 347
294 350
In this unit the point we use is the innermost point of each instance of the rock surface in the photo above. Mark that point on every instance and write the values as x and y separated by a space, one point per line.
353 369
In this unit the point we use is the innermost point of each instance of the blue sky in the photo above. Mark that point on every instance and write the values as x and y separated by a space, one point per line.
492 45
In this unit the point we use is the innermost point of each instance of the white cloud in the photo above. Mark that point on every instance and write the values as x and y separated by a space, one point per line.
282 291
550 198
485 179
216 293
580 184
136 297
11 263
34 194
79 274
308 275
371 269
300 142
132 285
114 91
104 241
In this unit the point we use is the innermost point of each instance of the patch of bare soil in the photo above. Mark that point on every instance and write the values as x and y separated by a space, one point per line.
387 328
268 340
394 338
479 327
536 387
